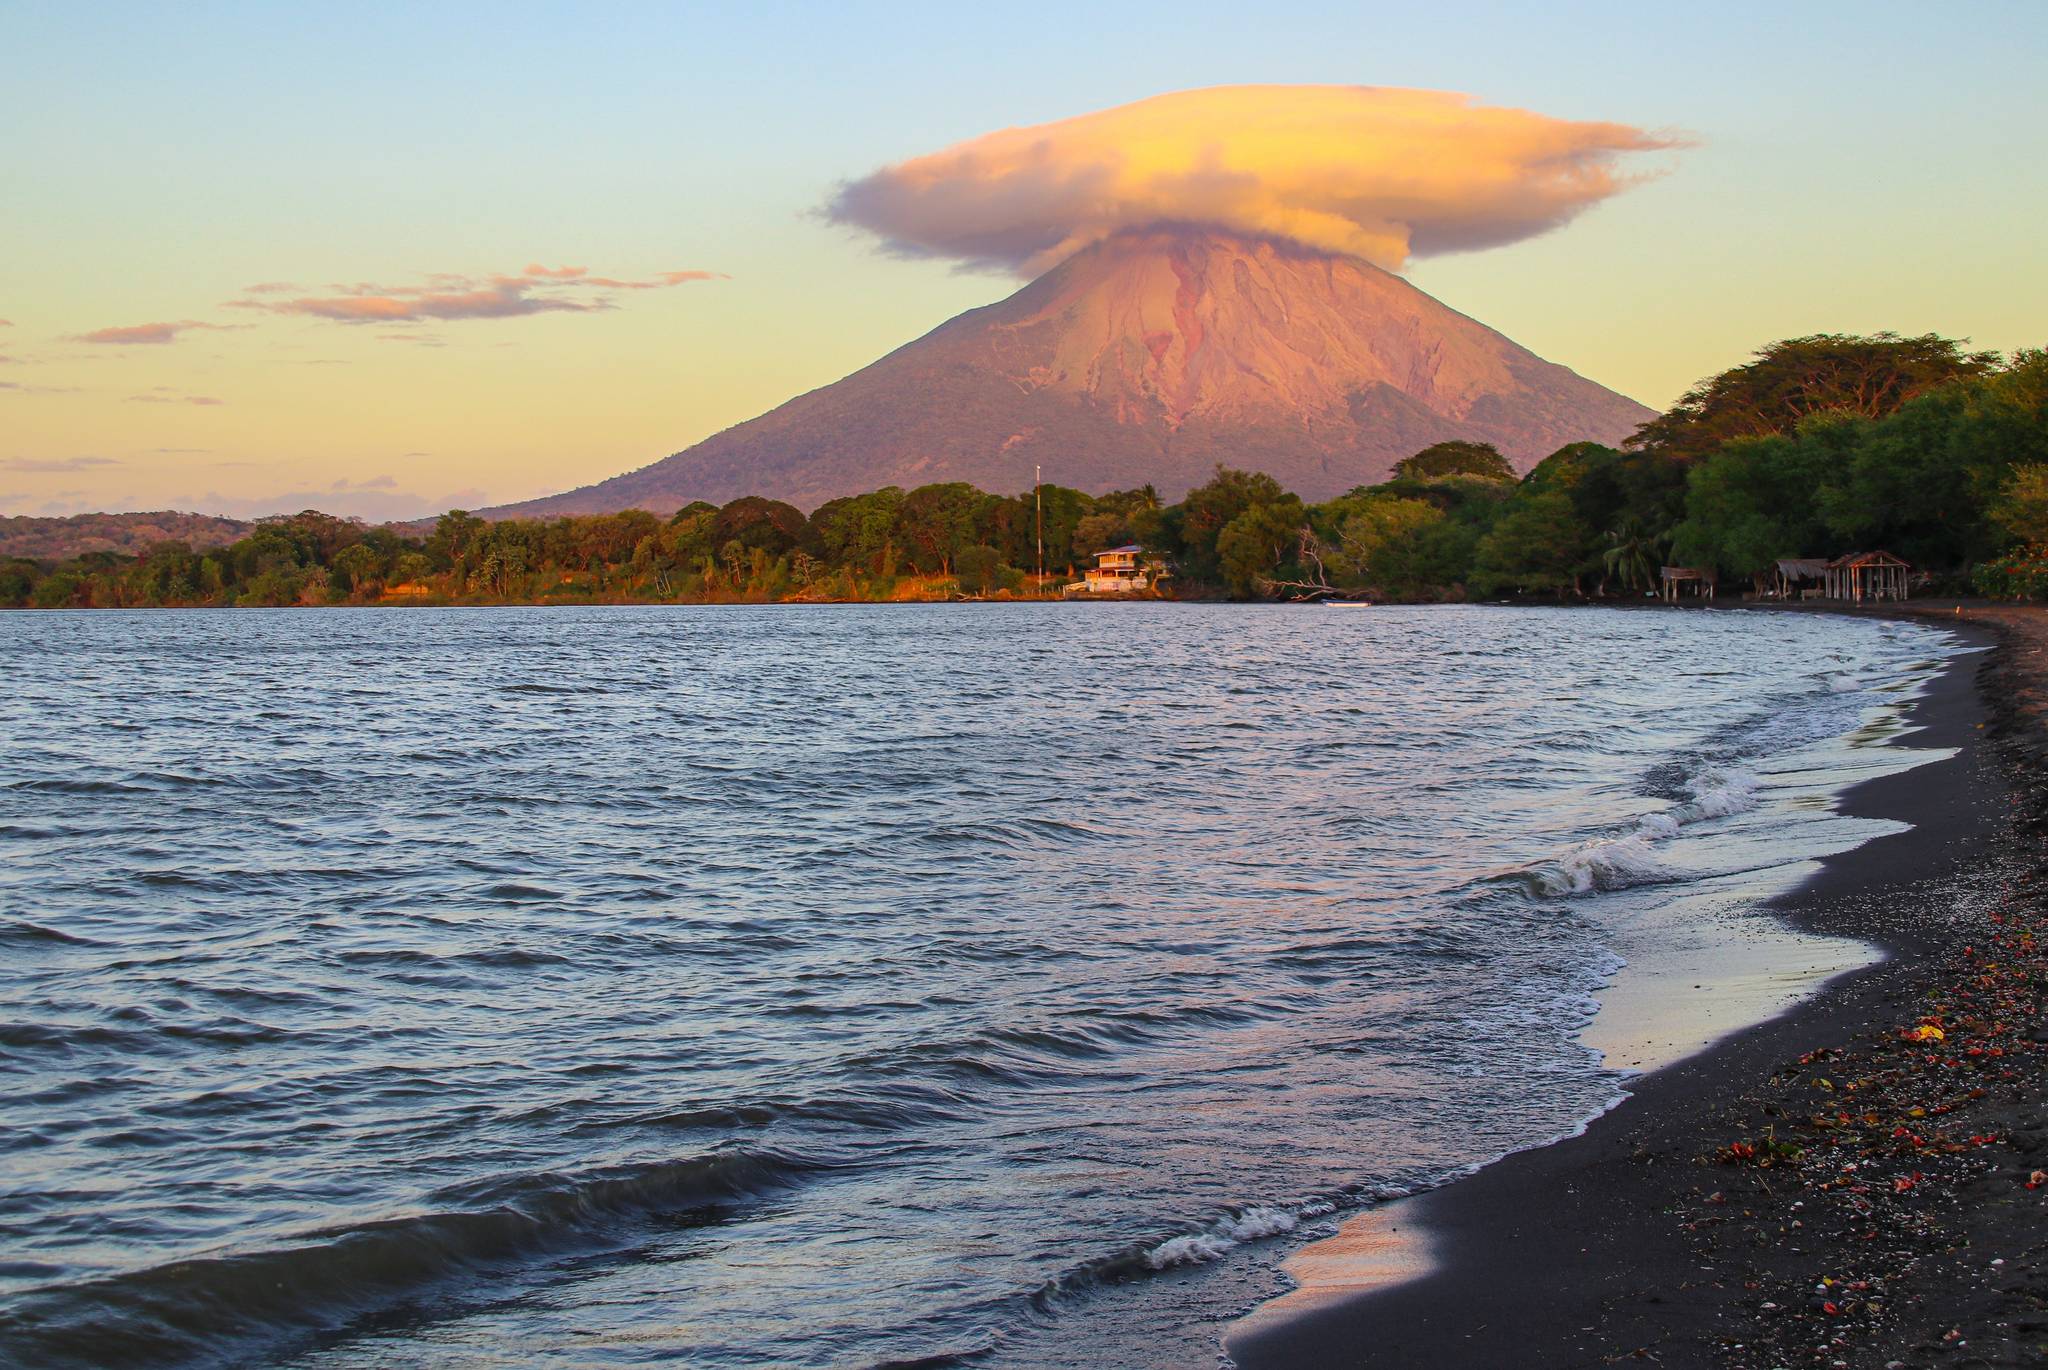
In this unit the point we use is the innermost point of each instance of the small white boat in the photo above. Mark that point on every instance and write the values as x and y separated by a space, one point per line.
1346 603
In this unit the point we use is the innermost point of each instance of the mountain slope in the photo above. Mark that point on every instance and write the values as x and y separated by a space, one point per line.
1150 357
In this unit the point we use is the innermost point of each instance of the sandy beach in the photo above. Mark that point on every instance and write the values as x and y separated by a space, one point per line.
1850 1183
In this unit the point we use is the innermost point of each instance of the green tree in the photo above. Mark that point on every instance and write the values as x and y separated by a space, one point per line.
1632 554
979 569
18 577
767 524
1456 458
58 590
167 574
735 558
2022 507
410 568
1536 545
859 531
936 522
1100 531
1211 507
452 544
1364 536
1752 502
358 567
1790 381
1254 545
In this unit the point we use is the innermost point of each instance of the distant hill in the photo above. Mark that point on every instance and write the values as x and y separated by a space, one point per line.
1149 358
57 539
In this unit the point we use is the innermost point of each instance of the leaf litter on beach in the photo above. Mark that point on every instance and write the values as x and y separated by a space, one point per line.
1882 1197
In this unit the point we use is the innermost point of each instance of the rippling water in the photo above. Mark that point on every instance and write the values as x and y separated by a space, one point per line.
836 986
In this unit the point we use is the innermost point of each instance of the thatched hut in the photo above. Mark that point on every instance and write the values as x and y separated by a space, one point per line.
1799 577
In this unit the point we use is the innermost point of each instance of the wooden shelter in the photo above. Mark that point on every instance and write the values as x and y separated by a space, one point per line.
1868 575
1697 581
1799 577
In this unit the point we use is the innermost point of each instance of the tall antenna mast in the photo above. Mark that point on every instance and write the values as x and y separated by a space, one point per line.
1038 500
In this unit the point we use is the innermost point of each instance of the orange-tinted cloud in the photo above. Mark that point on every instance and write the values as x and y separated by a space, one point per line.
1370 171
144 333
448 298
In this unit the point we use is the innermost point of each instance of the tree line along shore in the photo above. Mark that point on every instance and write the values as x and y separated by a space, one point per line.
1815 447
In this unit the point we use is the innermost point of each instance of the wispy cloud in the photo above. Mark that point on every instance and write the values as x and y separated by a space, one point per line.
378 499
1368 171
51 465
60 504
163 394
450 298
145 334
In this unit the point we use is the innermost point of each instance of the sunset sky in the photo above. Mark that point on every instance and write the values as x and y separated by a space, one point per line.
382 261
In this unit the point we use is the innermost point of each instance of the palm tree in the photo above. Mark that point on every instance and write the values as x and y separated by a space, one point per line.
1633 553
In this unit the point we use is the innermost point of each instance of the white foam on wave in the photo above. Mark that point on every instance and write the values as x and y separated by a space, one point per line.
1610 863
1607 864
1227 1234
1656 827
1716 794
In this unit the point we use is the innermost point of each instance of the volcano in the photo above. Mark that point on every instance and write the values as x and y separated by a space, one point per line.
1148 358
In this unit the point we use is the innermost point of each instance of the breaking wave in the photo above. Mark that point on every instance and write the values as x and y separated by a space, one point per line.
1611 863
1229 1233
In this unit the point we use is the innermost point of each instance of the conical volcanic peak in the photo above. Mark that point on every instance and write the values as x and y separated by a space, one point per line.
1149 357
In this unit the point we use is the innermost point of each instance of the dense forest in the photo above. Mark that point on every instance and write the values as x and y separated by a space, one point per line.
1815 447
57 539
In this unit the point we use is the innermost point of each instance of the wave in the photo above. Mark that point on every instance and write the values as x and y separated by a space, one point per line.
1223 1237
188 1308
1610 863
893 1107
1031 1054
1235 1228
21 932
1717 794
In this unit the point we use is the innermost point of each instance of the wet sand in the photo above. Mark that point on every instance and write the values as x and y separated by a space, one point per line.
1719 1215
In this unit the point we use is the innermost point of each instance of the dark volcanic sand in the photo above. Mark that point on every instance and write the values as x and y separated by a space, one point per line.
1695 1224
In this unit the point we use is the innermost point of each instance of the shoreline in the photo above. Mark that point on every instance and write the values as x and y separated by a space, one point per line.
1569 1254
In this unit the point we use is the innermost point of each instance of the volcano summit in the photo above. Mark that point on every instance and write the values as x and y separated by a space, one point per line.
1149 357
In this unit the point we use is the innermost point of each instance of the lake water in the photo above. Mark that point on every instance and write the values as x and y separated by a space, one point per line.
831 986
